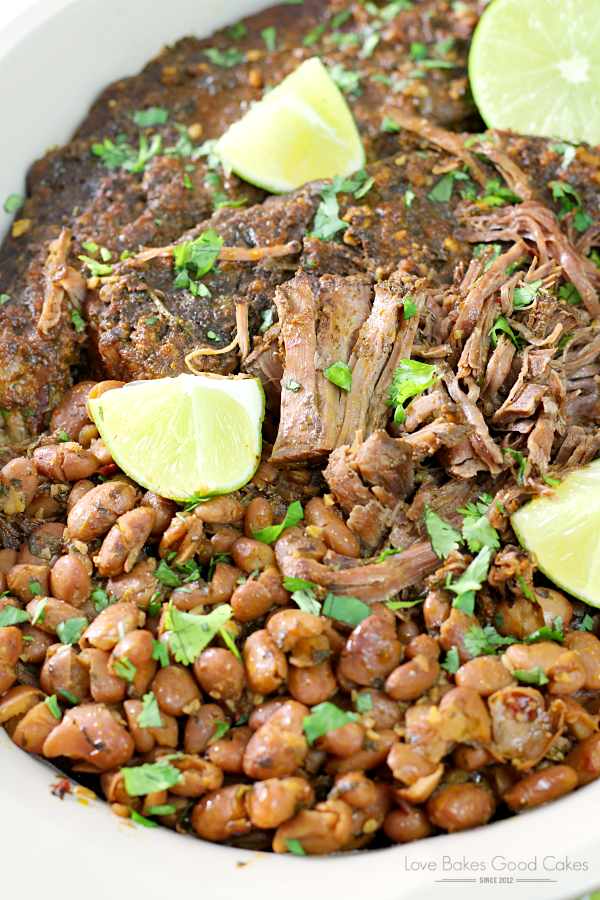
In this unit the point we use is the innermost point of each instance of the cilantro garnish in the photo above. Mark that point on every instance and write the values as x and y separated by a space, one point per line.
125 669
325 717
13 203
339 373
237 31
303 593
101 600
402 604
477 529
569 202
71 630
526 294
40 610
496 194
52 704
452 661
442 191
165 574
388 126
269 36
531 676
139 819
547 633
271 532
485 641
587 623
293 844
346 80
167 809
409 196
120 155
62 437
313 36
71 698
470 581
150 714
227 58
221 728
443 537
268 317
410 309
345 609
11 615
160 653
154 115
570 294
97 269
390 551
410 378
499 326
363 702
190 634
520 459
569 152
150 777
327 221
199 255
496 253
291 385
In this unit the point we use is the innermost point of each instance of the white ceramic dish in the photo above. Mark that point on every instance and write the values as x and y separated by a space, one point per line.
54 59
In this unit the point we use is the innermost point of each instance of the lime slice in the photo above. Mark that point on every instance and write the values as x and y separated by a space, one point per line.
184 436
534 67
564 533
300 131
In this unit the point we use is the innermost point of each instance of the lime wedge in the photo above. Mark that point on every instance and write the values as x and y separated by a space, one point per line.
534 67
564 533
300 131
184 436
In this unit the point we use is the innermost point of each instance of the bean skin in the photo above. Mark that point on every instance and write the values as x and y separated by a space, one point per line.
289 625
21 577
259 515
321 830
164 510
184 536
220 674
272 579
105 686
310 651
19 479
541 787
228 752
410 680
249 555
8 559
364 760
356 789
272 802
223 539
165 735
266 665
70 414
335 533
221 814
220 511
174 689
436 609
564 667
485 674
250 601
223 583
79 490
409 823
111 626
407 765
90 733
554 604
279 746
34 728
123 543
201 727
137 648
371 653
11 644
585 759
34 651
64 462
260 714
18 700
63 671
519 618
456 807
453 631
54 612
469 759
98 510
137 586
313 685
69 580
588 647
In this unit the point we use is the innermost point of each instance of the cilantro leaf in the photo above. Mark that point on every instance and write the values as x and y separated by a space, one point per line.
167 809
327 221
402 604
526 294
150 714
363 702
410 378
410 309
154 115
531 676
587 623
499 326
570 294
190 634
52 704
485 641
477 529
71 630
269 36
345 609
139 819
325 717
97 269
268 317
269 534
444 538
150 777
101 600
160 653
291 385
547 633
390 551
11 615
388 126
451 662
125 669
339 373
520 459
442 191
40 610
227 58
569 152
201 253
13 203
346 80
472 578
293 844
165 574
569 202
496 194
303 593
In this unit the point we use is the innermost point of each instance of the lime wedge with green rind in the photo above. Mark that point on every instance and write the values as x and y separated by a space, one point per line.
564 533
534 68
300 131
194 435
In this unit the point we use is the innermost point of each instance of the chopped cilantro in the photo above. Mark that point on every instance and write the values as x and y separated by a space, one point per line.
63 437
546 633
4 298
293 844
139 819
436 64
410 378
199 254
90 246
410 309
237 31
325 717
125 255
120 155
569 152
291 385
444 538
485 641
526 294
221 728
569 202
69 697
402 604
409 196
346 80
418 50
71 630
165 574
149 717
13 203
40 610
52 704
587 623
551 482
213 337
496 194
221 201
105 254
363 702
154 115
101 600
269 534
327 220
470 581
160 653
520 459
390 551
155 605
339 373
389 126
268 317
313 36
150 778
229 641
269 36
451 662
12 615
477 529
227 58
570 294
341 18
303 593
125 669
97 269
531 676
150 320
167 809
190 634
369 44
499 326
442 191
345 609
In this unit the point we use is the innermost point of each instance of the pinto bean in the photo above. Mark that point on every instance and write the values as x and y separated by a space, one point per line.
70 414
21 578
34 651
165 735
423 645
79 490
87 434
184 535
201 727
137 586
220 674
334 532
373 755
249 555
355 788
272 802
456 807
463 717
69 580
289 625
98 510
588 647
164 510
279 746
541 787
174 689
63 673
407 765
343 741
523 729
221 814
11 644
412 678
199 776
18 700
53 612
259 514
585 759
8 559
453 631
48 502
409 823
501 779
485 674
220 511
123 543
136 647
321 830
519 618
105 686
554 604
266 665
90 733
33 729
313 685
436 609
228 753
469 759
19 480
44 545
371 653
103 456
385 712
260 714
223 584
223 539
310 651
564 668
64 462
272 579
111 626
250 601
